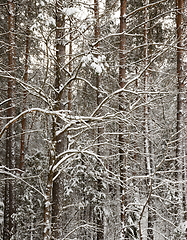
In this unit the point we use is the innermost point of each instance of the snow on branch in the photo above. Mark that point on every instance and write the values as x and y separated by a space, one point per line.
6 171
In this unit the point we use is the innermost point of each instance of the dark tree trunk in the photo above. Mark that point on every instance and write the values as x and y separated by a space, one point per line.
10 202
70 64
23 121
123 160
180 148
54 192
58 191
99 214
6 233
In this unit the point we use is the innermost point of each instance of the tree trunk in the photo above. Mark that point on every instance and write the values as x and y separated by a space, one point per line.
70 64
99 215
58 191
47 207
180 148
23 121
121 127
54 192
150 233
10 202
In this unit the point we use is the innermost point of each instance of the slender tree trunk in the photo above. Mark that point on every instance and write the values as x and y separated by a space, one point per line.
123 160
150 233
47 206
6 233
54 191
146 86
99 215
10 202
23 121
180 149
70 65
58 190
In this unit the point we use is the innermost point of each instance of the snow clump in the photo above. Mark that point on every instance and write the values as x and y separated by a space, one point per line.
98 64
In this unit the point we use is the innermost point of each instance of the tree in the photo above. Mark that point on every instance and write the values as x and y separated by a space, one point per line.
55 188
99 214
23 123
150 234
9 200
103 146
180 148
123 160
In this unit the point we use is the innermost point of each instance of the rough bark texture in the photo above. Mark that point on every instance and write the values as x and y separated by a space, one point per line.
99 215
121 108
54 194
10 202
180 148
58 191
150 233
23 121
70 65
6 209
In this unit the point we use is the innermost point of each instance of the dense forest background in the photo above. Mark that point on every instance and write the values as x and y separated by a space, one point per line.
93 119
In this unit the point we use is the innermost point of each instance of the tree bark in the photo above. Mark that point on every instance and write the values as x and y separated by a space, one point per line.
10 201
47 207
180 148
147 147
70 64
53 223
122 157
58 190
99 215
23 121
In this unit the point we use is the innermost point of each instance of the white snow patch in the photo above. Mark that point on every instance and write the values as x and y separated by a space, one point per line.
96 63
96 67
183 226
168 23
86 59
70 11
47 204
